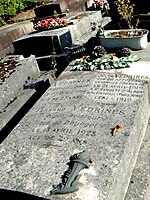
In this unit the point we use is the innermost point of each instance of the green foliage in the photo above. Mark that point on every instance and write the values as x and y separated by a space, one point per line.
104 62
9 8
53 62
1 10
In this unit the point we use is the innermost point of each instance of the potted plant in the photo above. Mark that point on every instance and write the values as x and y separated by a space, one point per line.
132 37
102 5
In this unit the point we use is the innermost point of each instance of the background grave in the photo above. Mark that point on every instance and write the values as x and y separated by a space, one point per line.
43 43
49 43
47 10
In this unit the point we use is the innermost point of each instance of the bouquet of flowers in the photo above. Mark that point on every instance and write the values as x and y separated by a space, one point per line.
101 5
49 23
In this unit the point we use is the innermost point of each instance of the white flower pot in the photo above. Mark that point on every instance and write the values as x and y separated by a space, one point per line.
133 42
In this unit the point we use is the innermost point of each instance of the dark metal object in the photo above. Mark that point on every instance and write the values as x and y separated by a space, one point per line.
75 51
70 178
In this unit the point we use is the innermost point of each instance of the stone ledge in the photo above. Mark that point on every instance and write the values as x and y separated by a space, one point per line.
9 33
139 187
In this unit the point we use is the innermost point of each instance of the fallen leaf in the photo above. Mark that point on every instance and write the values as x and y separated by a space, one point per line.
116 129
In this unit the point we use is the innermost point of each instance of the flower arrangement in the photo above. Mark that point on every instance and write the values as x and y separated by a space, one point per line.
102 61
49 23
101 5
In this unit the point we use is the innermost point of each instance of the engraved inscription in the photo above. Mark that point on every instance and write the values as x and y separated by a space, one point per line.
117 88
103 87
76 112
80 124
74 81
97 110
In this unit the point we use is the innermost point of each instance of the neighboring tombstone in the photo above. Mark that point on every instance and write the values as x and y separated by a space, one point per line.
48 10
43 43
80 112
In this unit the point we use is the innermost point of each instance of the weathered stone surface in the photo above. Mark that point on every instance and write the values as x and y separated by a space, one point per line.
14 112
10 111
82 25
78 113
23 72
12 32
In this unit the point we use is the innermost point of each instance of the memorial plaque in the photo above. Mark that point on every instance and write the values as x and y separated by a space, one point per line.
78 113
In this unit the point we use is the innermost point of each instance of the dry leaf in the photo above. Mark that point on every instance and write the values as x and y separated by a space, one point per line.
116 129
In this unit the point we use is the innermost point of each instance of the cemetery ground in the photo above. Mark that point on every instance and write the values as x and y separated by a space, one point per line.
100 118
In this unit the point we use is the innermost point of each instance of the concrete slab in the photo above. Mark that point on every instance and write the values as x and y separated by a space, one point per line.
16 72
15 111
78 112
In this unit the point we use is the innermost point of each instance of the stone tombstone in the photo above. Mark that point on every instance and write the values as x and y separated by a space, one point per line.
78 113
47 10
43 43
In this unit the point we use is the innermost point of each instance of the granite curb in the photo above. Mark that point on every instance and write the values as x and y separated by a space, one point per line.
139 187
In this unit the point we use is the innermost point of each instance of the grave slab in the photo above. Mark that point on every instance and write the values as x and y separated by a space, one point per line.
78 112
45 62
82 25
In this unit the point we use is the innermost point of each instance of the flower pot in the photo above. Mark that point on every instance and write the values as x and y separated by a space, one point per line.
131 38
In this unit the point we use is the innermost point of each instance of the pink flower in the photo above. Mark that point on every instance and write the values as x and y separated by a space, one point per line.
49 23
